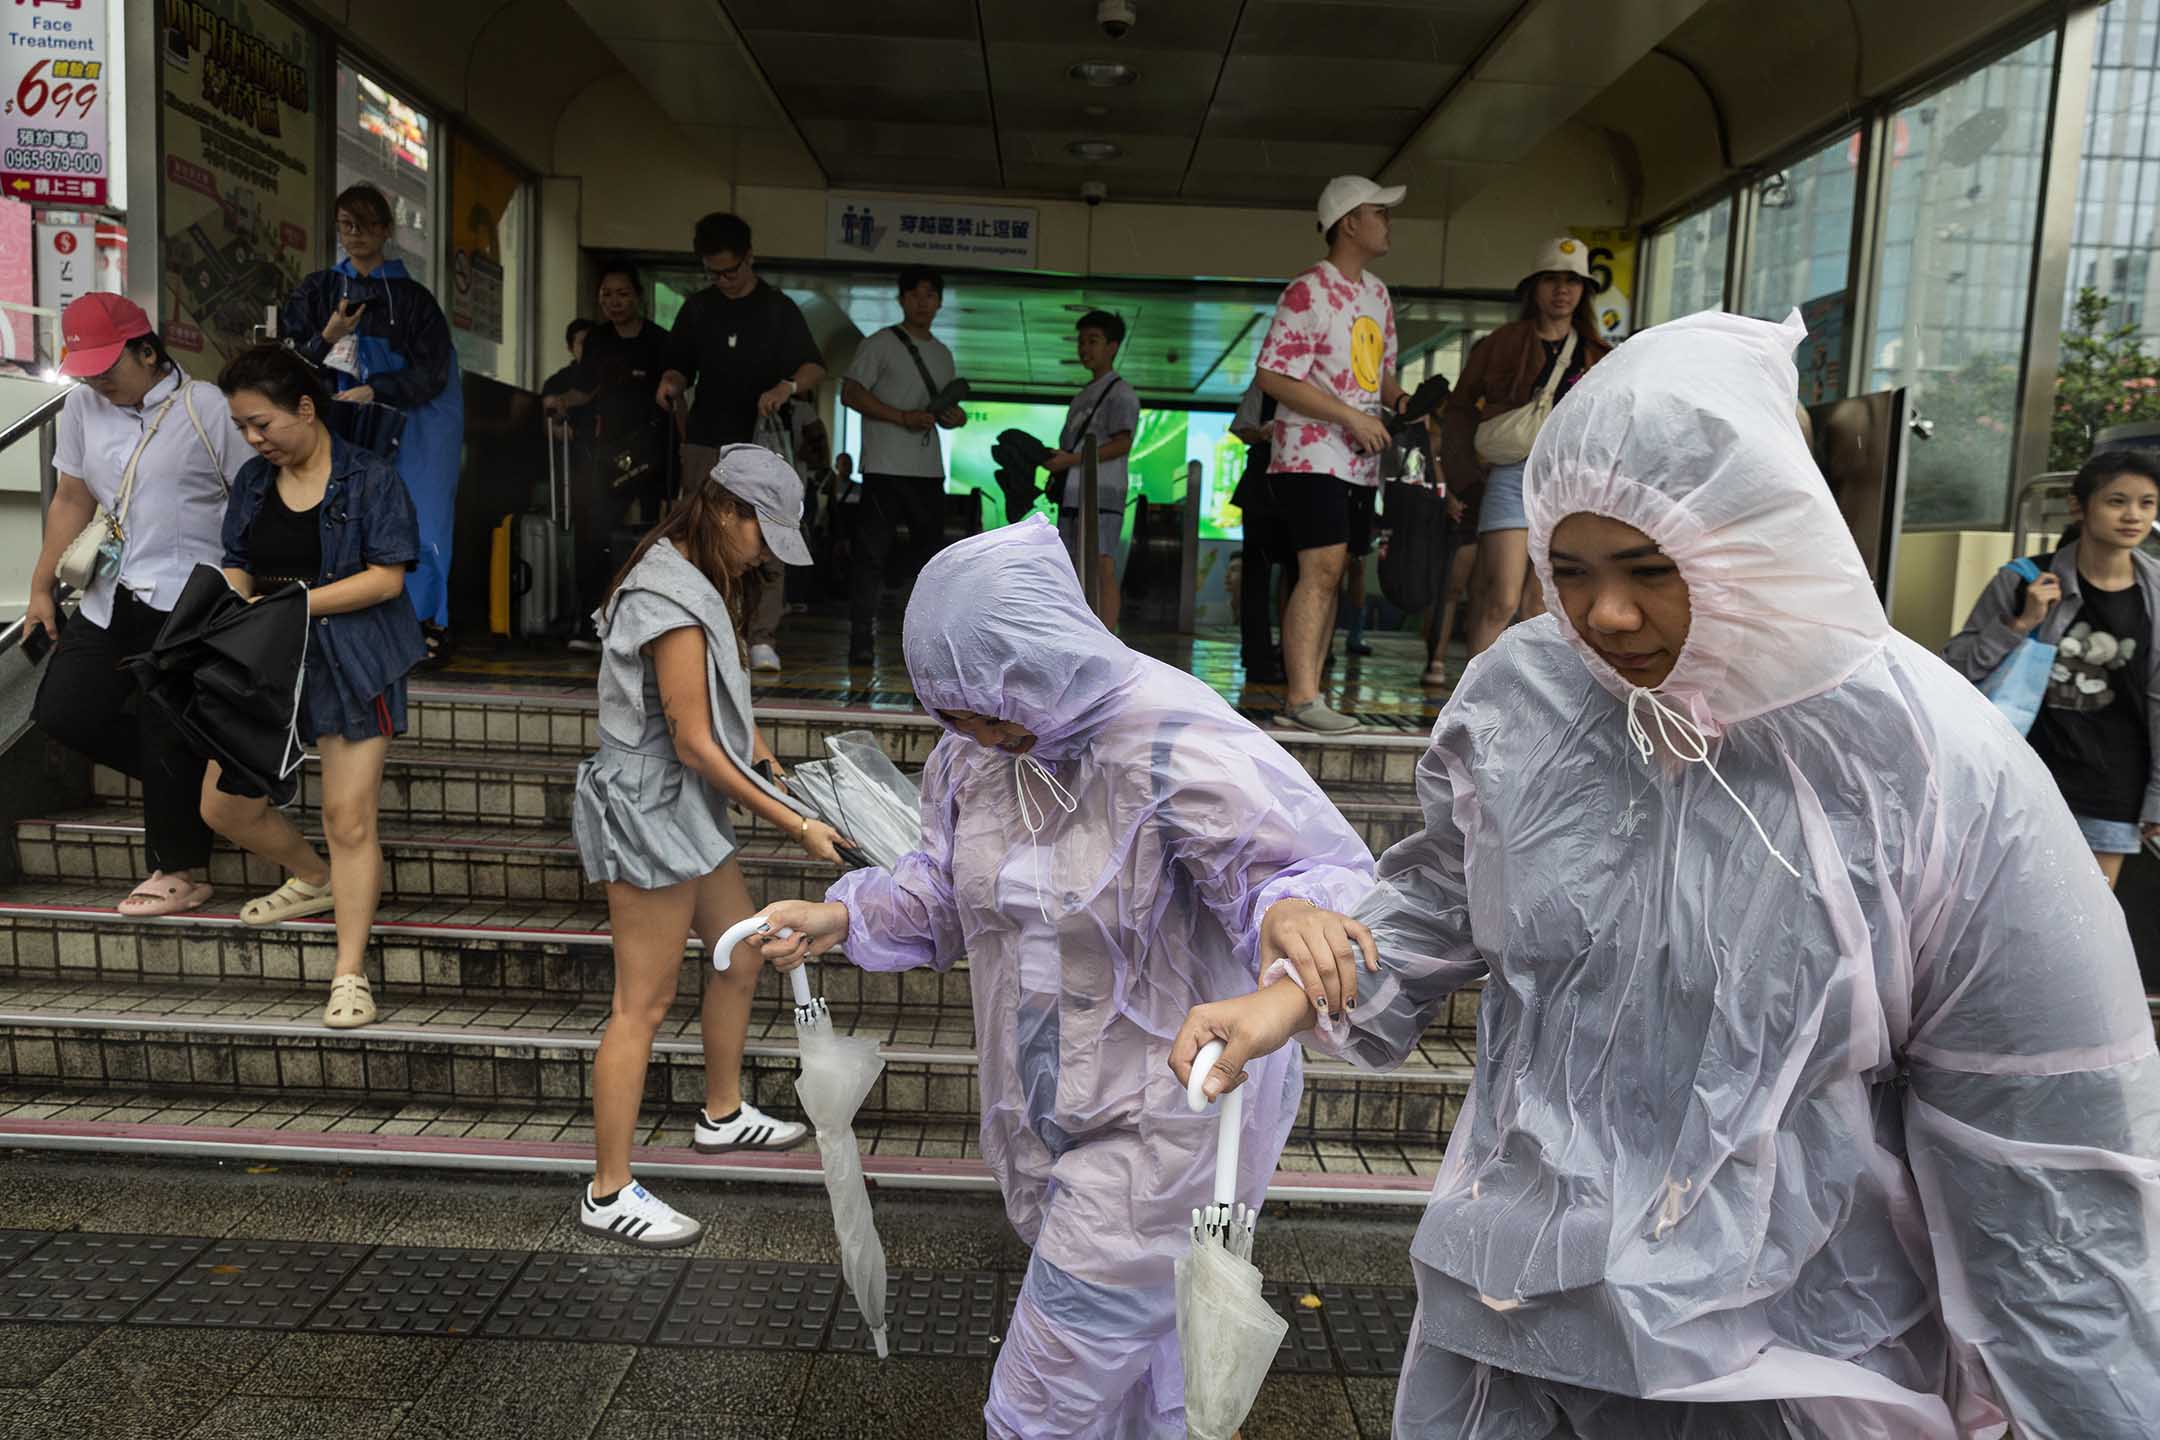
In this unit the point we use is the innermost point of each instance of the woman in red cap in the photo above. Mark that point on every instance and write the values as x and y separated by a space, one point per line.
150 450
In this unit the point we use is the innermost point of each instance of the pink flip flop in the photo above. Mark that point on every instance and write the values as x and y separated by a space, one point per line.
164 894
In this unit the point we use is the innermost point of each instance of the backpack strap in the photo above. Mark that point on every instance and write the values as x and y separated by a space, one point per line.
2024 569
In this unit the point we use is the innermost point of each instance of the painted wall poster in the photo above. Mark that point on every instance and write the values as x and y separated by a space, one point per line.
481 189
1612 272
242 195
1821 356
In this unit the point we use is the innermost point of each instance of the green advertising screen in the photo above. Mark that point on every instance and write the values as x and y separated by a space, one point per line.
1169 440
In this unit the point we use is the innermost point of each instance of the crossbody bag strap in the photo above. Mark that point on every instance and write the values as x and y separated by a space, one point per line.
930 386
1559 369
126 497
217 461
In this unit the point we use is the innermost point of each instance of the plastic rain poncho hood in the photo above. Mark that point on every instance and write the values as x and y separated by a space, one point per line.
1099 888
1869 1151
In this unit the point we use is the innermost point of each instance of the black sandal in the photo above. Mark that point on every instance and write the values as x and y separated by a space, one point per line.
438 645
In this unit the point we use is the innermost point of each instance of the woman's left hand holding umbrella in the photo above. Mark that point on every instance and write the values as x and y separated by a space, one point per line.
801 930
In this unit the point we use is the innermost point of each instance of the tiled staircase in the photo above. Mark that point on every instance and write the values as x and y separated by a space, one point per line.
197 1034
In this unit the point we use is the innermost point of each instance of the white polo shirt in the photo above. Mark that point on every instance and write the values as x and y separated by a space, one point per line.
176 520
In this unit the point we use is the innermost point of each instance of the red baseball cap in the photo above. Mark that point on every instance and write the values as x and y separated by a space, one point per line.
95 328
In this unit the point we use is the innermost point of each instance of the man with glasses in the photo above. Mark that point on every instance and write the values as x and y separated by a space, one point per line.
749 352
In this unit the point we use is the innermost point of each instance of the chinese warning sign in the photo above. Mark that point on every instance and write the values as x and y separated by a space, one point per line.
53 103
927 232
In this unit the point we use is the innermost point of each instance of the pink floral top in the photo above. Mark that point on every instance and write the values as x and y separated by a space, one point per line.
1341 337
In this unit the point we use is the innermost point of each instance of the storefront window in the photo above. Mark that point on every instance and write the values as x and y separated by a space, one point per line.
1803 231
388 143
1958 229
1687 265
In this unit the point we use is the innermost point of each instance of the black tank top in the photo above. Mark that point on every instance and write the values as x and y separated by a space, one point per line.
284 545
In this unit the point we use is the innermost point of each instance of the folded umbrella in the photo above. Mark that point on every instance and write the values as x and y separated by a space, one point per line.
837 1073
370 426
954 392
229 674
1227 1334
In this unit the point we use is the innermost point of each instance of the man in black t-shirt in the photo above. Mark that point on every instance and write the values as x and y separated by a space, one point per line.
749 352
741 342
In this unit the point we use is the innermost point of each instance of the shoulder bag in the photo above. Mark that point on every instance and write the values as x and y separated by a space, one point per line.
1506 439
2019 684
97 551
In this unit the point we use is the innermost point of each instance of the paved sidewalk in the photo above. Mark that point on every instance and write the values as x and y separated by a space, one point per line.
168 1299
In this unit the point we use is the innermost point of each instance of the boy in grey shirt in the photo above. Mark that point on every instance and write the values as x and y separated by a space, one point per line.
891 383
1108 408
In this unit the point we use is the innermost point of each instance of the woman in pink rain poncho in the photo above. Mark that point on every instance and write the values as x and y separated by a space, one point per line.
1816 1094
1108 844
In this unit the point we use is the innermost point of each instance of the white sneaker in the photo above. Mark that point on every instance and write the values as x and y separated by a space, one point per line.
636 1216
751 1129
764 657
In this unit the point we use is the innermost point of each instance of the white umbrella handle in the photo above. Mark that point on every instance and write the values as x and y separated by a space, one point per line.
724 952
1227 1127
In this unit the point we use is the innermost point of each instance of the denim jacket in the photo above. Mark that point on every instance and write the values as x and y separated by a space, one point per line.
365 518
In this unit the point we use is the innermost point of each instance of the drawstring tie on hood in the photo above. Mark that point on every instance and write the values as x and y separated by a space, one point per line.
1687 743
1034 814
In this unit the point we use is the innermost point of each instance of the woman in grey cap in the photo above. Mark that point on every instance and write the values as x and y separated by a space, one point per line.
677 746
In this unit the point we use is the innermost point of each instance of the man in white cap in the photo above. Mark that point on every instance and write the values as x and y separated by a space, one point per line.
1329 364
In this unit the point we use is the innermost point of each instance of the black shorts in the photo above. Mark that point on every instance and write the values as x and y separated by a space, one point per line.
1364 501
1320 510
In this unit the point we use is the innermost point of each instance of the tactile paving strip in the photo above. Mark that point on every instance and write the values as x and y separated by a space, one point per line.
413 1291
615 1299
93 1279
957 1317
1370 1325
1305 1349
15 1244
252 1285
751 1305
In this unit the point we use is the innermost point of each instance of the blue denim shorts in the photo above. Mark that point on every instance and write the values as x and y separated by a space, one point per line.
2111 837
1502 507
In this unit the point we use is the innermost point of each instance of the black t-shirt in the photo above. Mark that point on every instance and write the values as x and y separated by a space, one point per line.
562 381
284 545
736 350
622 374
2091 728
1576 366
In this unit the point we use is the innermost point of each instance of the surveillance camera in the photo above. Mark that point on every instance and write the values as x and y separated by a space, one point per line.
1094 192
1116 17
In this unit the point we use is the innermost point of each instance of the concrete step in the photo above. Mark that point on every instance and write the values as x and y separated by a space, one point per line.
557 1139
428 784
423 859
562 720
474 951
268 1040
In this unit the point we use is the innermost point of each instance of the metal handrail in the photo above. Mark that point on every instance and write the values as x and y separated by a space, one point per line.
35 417
2055 481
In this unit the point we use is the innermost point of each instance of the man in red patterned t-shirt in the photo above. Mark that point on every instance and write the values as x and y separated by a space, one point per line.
1329 364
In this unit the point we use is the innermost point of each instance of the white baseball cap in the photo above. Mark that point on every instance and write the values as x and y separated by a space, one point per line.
1345 193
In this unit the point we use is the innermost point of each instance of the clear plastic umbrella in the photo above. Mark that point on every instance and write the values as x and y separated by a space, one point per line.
837 1073
1227 1334
862 794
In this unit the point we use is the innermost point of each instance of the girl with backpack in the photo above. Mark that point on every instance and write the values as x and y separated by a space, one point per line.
2097 601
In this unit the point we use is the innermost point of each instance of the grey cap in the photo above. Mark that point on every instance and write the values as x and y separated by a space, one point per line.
769 485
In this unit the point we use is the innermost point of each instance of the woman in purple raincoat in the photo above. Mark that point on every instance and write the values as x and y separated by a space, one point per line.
1107 843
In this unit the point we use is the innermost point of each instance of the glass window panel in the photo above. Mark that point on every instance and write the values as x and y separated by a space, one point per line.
1959 228
1803 230
386 141
1687 264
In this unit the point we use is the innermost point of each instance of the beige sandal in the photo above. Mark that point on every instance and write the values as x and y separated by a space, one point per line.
351 1005
293 900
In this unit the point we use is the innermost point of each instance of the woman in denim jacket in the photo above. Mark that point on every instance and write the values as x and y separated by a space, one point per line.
315 511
